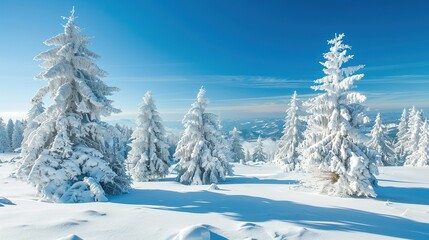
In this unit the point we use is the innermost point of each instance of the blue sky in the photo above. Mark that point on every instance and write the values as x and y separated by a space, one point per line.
250 55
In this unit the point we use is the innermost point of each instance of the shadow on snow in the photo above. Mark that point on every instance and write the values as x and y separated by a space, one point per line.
410 195
257 209
239 179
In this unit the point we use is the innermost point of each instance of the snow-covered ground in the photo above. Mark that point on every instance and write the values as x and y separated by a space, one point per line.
259 202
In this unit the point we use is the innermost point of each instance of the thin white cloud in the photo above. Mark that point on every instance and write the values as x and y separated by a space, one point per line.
227 80
269 82
258 81
397 100
395 66
397 79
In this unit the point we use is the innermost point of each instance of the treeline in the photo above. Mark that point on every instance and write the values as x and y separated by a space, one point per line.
11 135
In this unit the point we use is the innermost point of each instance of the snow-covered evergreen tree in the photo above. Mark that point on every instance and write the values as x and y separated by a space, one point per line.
69 156
236 147
9 128
258 153
124 139
172 138
420 157
148 159
333 141
125 131
287 153
201 151
32 124
401 137
248 156
4 139
413 134
17 135
381 144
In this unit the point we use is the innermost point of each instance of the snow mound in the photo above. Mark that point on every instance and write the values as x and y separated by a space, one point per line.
94 213
295 233
258 163
5 201
70 237
68 224
252 231
195 232
213 186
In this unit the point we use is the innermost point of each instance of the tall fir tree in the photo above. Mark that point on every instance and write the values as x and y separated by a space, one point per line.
401 138
414 133
201 151
258 153
420 157
415 121
236 147
381 144
17 135
32 124
287 152
9 128
68 156
124 139
248 156
333 144
4 139
149 158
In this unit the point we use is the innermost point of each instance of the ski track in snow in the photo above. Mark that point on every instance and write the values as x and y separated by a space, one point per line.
259 202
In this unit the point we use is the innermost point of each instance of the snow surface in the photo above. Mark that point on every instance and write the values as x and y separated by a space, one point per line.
259 202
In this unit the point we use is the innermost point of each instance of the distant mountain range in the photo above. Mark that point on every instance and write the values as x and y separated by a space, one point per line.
266 128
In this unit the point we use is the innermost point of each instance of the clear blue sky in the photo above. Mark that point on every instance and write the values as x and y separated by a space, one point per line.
250 55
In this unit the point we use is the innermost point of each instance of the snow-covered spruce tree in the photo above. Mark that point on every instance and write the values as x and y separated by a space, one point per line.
380 143
401 138
201 151
287 152
9 128
172 138
32 124
236 147
414 134
4 139
68 157
17 135
258 153
420 157
333 144
415 122
248 156
125 131
149 158
123 139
